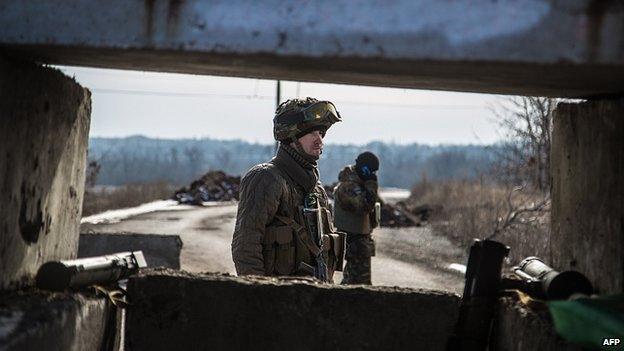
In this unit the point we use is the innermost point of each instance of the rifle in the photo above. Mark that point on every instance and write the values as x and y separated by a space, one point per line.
314 223
61 275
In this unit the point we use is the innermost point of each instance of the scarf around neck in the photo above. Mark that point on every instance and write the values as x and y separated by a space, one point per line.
301 171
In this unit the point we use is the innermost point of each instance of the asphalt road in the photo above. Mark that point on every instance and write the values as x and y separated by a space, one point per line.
411 257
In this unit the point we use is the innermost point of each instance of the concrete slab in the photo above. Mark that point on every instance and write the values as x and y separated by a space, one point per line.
44 126
537 47
177 310
57 321
159 250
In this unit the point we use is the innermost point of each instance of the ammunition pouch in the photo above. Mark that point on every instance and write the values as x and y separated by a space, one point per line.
337 240
279 251
338 249
333 251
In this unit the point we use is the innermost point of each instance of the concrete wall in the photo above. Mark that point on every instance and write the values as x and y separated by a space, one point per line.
55 321
175 310
588 191
159 250
44 125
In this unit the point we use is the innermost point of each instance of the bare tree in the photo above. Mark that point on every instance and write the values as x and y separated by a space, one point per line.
519 212
195 159
526 123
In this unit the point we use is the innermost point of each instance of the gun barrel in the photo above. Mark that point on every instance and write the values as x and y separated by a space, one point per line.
553 285
60 275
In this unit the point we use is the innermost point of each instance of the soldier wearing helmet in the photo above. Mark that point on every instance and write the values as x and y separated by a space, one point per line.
283 225
357 211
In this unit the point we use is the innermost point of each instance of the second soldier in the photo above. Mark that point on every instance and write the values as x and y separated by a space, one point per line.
357 212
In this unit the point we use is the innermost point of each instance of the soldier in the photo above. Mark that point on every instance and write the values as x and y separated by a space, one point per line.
357 212
283 225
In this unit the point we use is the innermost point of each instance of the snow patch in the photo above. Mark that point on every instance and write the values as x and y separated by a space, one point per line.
458 267
394 193
115 216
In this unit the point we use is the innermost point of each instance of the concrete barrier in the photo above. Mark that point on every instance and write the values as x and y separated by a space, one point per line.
44 126
176 310
518 328
588 191
159 250
58 321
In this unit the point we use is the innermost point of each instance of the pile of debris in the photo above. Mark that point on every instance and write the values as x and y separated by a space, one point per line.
212 186
395 216
423 212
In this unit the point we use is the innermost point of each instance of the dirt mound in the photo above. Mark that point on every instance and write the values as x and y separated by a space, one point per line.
212 186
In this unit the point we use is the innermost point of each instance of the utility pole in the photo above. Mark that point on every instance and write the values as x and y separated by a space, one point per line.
278 98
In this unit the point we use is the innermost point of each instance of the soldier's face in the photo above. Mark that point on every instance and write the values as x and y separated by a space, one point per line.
312 143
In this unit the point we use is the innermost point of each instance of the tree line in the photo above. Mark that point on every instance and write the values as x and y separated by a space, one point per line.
139 159
522 157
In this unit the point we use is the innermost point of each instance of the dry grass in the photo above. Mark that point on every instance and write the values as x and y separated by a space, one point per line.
129 195
465 210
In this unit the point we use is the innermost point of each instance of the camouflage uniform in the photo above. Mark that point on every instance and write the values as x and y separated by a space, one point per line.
271 236
354 214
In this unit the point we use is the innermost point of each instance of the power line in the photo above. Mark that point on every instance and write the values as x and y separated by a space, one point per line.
177 94
264 97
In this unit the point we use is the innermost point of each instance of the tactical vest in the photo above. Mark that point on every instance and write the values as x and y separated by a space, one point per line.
288 248
351 222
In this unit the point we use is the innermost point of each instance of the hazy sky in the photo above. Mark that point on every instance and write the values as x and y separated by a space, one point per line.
168 105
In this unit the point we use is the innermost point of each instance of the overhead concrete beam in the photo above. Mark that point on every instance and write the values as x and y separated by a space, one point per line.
539 47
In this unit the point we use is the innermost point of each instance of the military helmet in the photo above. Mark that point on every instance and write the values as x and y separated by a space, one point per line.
297 117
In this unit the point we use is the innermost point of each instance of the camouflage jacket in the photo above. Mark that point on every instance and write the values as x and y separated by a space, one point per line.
355 201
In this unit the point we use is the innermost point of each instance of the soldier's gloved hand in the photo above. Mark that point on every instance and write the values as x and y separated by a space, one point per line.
365 173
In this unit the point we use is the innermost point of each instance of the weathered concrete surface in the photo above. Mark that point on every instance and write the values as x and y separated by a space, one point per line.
44 125
59 321
588 191
536 47
519 328
159 250
176 310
